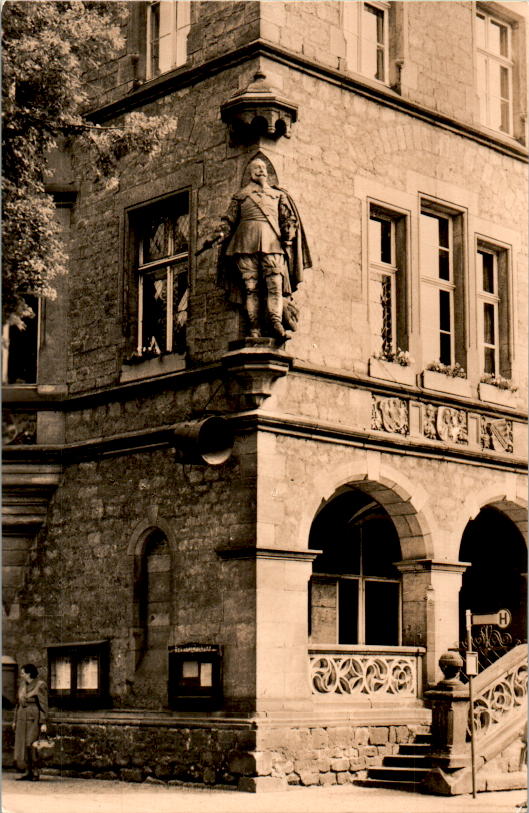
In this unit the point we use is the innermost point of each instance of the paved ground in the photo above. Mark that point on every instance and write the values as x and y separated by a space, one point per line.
56 795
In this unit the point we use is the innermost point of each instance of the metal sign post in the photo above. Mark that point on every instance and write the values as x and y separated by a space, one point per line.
468 616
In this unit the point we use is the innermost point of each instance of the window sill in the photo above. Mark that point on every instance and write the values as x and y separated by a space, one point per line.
150 368
391 371
494 395
432 380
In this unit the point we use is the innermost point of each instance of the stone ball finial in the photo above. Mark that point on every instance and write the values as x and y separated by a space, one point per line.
451 664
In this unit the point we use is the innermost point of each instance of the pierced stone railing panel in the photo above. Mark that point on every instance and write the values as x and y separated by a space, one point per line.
494 703
358 673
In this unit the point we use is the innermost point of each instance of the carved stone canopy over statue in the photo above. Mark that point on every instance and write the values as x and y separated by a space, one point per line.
263 254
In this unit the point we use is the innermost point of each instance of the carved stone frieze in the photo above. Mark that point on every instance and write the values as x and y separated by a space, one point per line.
445 423
430 421
390 415
496 434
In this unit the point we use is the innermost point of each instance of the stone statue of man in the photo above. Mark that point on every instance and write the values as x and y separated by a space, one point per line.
264 253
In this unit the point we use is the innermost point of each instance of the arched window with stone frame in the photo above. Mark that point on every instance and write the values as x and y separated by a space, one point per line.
152 548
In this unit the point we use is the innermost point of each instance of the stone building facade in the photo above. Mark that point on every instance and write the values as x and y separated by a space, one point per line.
278 617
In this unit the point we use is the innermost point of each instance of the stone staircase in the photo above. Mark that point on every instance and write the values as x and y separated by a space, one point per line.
405 770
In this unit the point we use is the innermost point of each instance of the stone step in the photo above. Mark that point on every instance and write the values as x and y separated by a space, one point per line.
393 773
418 749
412 787
408 761
422 739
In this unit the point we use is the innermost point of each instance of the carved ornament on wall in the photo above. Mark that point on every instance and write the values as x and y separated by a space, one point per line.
445 423
496 434
390 415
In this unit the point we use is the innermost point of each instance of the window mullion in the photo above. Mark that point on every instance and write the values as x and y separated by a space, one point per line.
170 309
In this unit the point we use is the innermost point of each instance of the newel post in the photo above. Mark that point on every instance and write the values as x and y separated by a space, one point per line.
450 707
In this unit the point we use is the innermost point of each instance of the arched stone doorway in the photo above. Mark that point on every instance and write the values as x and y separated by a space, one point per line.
355 589
494 544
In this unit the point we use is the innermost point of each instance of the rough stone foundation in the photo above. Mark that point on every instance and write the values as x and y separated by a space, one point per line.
250 759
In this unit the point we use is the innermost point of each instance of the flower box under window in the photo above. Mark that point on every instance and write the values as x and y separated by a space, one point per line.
392 371
496 395
432 380
78 674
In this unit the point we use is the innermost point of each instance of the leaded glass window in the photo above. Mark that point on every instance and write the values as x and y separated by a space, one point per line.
163 271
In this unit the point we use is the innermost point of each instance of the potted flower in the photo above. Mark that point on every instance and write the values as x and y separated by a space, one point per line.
497 390
449 378
393 366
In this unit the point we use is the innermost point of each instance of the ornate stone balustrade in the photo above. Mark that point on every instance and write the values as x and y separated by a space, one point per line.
504 691
356 671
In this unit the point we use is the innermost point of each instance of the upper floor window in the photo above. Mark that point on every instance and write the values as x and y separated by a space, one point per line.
387 262
442 312
365 28
162 265
493 320
168 23
495 72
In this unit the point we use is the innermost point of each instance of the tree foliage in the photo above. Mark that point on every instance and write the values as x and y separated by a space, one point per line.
49 49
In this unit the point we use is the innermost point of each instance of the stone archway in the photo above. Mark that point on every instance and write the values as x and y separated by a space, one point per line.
494 542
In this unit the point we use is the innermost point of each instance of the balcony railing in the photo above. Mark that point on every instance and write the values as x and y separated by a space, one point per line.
366 671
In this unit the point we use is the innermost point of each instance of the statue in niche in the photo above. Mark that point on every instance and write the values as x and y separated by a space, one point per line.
263 255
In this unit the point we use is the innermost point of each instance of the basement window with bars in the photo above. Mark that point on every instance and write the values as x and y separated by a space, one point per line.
161 249
78 674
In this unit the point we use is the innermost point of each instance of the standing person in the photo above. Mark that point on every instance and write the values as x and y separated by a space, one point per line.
31 713
264 240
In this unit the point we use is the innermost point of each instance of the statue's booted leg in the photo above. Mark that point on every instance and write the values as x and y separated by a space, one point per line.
273 266
249 270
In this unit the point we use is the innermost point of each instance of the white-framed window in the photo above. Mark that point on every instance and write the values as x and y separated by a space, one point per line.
365 27
487 264
493 316
495 72
162 267
387 284
168 24
442 295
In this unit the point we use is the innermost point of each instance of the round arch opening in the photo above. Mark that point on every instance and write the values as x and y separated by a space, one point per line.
355 588
496 579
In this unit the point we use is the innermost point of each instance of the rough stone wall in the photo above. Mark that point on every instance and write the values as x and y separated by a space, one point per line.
227 756
91 521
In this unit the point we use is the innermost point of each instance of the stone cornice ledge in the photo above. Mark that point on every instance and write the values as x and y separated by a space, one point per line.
326 431
439 565
185 76
248 552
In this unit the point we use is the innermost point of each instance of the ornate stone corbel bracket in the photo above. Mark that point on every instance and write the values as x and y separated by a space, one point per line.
258 111
251 371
